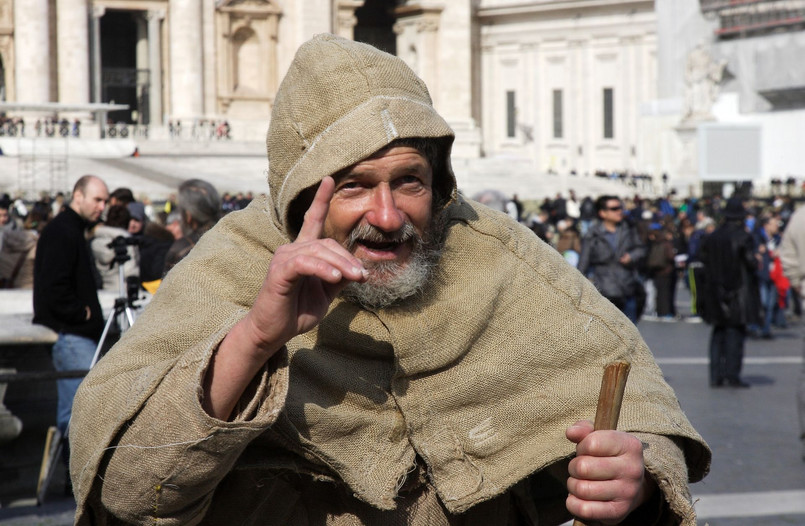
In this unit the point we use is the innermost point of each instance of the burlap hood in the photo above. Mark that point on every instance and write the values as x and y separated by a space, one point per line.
340 102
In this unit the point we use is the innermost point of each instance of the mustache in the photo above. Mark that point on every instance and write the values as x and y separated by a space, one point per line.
367 232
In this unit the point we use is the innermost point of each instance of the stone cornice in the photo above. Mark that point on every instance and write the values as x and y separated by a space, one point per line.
259 8
132 5
405 11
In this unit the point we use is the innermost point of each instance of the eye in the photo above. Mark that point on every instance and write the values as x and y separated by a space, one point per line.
349 185
349 188
409 181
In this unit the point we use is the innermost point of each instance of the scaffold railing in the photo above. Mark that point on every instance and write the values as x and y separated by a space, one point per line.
744 17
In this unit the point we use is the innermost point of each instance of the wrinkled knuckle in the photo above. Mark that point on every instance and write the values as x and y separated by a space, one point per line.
582 468
593 442
633 443
634 472
584 488
586 509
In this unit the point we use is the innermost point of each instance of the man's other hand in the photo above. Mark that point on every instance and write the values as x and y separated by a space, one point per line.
607 477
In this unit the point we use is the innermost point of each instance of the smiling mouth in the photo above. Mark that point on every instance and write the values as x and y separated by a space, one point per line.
381 246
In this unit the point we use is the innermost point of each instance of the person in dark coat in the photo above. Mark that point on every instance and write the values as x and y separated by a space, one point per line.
731 301
661 268
610 254
64 290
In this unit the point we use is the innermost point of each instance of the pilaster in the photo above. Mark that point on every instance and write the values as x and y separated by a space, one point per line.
73 51
345 19
32 51
95 15
186 70
154 19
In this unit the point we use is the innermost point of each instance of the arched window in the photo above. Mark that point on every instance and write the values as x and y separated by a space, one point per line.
246 60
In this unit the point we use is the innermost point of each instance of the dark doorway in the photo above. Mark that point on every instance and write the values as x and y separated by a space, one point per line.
3 95
375 25
121 81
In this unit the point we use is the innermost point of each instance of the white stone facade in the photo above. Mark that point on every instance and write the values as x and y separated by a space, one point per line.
749 79
567 85
562 82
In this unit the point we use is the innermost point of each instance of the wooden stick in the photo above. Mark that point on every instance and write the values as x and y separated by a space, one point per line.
609 400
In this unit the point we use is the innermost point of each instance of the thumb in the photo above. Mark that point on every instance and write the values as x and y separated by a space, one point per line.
578 431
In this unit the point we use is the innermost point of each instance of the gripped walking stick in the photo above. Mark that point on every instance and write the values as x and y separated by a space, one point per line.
609 400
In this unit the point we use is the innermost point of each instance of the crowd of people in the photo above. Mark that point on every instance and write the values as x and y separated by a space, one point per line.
663 237
49 127
635 251
207 129
160 233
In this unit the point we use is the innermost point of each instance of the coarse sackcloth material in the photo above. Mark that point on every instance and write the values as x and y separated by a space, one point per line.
477 377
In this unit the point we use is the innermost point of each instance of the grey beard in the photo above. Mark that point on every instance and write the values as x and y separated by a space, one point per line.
389 281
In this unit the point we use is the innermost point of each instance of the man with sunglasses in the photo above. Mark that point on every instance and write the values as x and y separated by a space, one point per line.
609 255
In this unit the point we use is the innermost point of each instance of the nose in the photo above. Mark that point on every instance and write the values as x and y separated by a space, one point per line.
383 212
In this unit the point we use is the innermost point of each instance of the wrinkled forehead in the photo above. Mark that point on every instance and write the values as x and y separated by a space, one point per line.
414 159
429 157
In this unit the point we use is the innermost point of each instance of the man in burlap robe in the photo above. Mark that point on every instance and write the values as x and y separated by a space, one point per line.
373 348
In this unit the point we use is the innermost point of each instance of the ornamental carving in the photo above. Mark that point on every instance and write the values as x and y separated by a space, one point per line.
247 38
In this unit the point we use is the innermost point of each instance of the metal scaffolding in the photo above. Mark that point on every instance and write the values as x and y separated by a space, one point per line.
42 167
738 18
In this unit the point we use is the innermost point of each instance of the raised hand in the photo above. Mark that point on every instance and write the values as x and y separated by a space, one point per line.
302 280
607 478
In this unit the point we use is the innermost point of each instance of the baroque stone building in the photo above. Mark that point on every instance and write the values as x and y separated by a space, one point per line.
562 82
214 59
558 82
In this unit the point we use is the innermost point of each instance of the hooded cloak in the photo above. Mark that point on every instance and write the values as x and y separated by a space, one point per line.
475 379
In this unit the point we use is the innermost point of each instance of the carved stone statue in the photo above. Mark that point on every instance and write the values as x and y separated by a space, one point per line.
703 75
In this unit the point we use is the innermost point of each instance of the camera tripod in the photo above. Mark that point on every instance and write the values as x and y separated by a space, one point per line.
122 314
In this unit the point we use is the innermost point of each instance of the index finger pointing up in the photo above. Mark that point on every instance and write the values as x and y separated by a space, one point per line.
313 224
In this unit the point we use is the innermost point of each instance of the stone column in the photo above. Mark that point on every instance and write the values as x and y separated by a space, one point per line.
155 66
73 51
186 69
95 51
32 51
